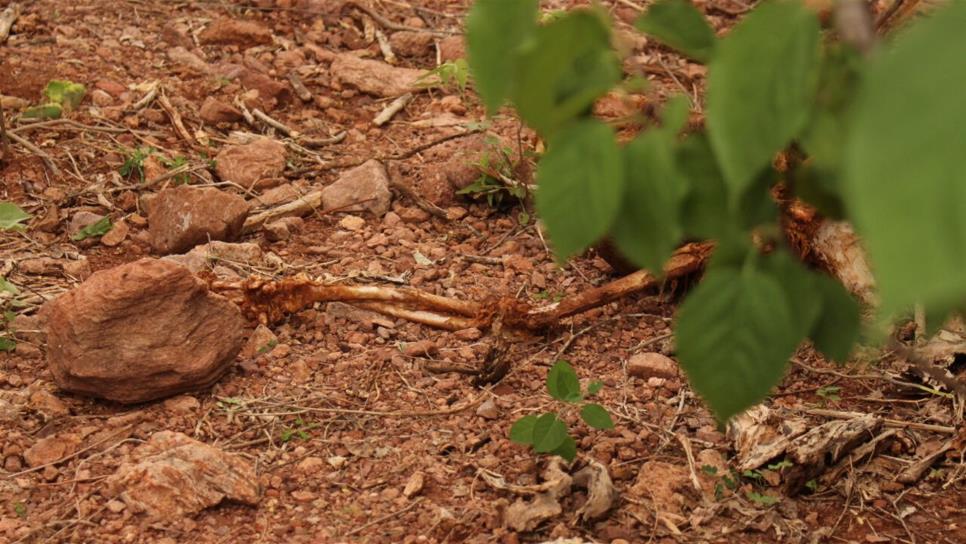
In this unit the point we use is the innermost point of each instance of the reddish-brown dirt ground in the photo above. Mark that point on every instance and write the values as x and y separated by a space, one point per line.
339 386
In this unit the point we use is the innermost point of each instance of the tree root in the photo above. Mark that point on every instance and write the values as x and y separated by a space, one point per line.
268 301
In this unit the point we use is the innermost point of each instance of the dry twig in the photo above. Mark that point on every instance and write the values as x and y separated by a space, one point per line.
7 18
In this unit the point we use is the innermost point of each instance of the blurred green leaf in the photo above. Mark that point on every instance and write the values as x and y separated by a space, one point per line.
678 24
562 382
522 431
596 416
100 228
495 31
12 217
549 433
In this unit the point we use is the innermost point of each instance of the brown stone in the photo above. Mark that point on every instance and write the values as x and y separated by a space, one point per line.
215 111
271 93
248 164
184 216
183 57
172 475
374 77
113 88
51 449
452 48
141 331
235 32
117 234
409 43
366 185
652 365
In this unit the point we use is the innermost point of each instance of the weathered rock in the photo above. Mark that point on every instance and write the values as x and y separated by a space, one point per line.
409 43
366 185
488 410
198 258
374 77
82 219
235 32
215 111
452 48
141 331
282 229
46 403
248 164
173 475
172 35
183 57
101 98
117 234
184 216
262 340
352 222
271 93
652 365
50 449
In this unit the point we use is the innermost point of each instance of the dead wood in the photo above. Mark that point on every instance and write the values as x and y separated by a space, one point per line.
823 446
7 18
268 301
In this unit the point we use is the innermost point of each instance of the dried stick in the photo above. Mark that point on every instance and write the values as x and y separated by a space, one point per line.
4 143
7 18
300 89
36 151
392 109
175 118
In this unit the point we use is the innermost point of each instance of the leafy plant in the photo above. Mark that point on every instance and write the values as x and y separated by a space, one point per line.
177 162
134 163
496 182
300 430
873 139
454 74
547 433
12 217
829 393
61 96
97 229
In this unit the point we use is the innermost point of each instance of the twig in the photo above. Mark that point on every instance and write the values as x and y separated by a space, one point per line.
146 99
433 143
389 25
894 423
322 142
686 444
277 125
300 89
4 143
392 109
7 18
381 519
175 118
36 151
419 201
385 47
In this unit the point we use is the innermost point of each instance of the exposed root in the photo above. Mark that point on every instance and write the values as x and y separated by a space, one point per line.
268 301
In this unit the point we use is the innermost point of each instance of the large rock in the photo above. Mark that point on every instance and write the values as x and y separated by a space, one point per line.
234 32
141 331
173 475
365 187
374 77
183 217
652 365
248 164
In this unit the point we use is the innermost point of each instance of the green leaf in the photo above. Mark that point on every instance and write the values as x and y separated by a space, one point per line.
580 184
98 229
799 285
7 287
522 431
549 433
495 30
596 416
567 450
12 217
7 344
674 115
735 334
649 226
760 89
568 65
704 211
763 500
562 382
678 24
838 328
594 387
905 165
43 111
66 93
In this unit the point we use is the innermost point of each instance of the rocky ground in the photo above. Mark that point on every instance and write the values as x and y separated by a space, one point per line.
326 138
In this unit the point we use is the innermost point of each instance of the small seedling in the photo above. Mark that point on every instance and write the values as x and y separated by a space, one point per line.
20 509
547 433
171 164
812 485
449 75
830 393
97 229
761 499
496 182
300 431
134 164
12 217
